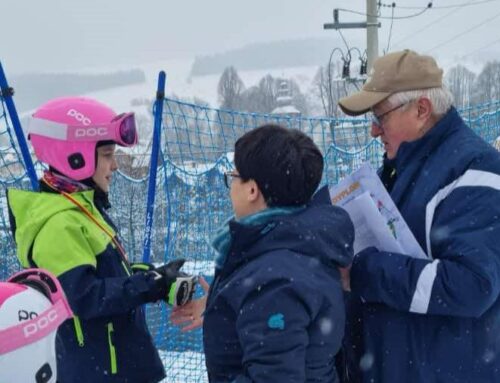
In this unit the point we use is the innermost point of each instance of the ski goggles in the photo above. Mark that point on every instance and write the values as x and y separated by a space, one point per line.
41 280
46 322
122 130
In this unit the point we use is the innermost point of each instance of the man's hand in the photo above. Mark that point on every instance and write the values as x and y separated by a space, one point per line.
345 277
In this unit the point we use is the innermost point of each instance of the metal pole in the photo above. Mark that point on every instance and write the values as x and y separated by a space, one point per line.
7 94
148 228
371 32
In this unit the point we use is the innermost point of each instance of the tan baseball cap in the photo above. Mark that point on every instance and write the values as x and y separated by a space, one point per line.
392 73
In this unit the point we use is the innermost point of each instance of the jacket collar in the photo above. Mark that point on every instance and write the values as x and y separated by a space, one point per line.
245 233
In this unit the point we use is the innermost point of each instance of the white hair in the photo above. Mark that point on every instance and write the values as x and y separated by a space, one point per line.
440 98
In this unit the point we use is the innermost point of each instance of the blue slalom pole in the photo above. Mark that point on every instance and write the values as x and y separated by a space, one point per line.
160 95
7 92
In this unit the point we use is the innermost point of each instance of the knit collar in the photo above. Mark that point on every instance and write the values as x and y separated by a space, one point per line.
61 183
53 182
222 240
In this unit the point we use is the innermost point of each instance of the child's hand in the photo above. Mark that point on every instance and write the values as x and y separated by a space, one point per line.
192 312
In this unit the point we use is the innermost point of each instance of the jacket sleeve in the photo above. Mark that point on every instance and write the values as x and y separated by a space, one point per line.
64 251
92 297
462 279
272 330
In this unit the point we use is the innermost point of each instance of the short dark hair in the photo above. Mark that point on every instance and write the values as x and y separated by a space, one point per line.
285 163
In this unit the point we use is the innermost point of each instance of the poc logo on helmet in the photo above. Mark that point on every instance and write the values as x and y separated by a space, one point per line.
91 132
79 117
41 323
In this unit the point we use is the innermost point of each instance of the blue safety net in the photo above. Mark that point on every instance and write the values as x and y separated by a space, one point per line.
197 144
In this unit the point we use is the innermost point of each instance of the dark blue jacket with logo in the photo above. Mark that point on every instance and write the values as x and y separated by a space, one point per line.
437 319
275 311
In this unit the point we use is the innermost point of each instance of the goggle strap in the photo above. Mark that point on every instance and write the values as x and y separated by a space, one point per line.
47 128
58 131
31 331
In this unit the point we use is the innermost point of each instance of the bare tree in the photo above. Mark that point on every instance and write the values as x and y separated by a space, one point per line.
298 98
460 82
329 87
487 85
268 92
263 98
229 89
251 100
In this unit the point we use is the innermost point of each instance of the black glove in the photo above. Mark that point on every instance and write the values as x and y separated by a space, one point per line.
175 287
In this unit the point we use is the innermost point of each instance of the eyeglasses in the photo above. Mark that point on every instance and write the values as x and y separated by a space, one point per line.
379 120
122 130
228 178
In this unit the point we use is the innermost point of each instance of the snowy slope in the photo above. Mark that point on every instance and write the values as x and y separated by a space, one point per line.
180 83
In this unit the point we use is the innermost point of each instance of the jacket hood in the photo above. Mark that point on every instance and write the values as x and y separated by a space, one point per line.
29 211
320 231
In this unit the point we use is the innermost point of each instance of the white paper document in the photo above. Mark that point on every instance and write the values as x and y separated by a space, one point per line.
377 220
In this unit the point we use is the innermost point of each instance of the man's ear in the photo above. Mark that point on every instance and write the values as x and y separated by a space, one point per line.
255 198
253 191
424 108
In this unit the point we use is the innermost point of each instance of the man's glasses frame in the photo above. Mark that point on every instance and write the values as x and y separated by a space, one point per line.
378 120
228 178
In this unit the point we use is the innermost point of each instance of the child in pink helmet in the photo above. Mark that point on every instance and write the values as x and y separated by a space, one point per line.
65 229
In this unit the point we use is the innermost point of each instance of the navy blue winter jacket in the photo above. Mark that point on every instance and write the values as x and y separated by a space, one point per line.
437 319
275 311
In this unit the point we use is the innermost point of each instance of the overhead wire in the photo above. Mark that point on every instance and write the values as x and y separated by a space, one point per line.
390 30
451 5
481 48
464 32
456 9
387 17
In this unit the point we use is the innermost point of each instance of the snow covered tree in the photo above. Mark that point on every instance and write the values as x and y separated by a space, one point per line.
329 87
229 89
487 85
460 82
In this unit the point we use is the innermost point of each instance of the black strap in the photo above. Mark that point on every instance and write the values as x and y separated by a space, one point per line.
7 92
31 262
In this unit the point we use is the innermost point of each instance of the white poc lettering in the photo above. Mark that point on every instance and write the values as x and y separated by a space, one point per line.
91 132
39 324
79 117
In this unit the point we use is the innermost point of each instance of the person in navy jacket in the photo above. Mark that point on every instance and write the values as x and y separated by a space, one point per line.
275 310
435 319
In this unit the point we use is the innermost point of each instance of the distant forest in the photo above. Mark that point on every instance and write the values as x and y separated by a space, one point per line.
33 89
283 54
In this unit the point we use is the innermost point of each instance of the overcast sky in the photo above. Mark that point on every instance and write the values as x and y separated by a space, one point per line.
55 35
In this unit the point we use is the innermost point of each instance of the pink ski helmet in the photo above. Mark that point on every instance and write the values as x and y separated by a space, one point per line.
65 131
32 306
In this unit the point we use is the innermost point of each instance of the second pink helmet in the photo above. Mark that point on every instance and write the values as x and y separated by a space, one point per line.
65 131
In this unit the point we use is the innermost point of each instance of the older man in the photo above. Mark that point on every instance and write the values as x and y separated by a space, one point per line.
435 319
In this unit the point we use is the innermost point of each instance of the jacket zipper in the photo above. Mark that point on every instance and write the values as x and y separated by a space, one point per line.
112 350
78 331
